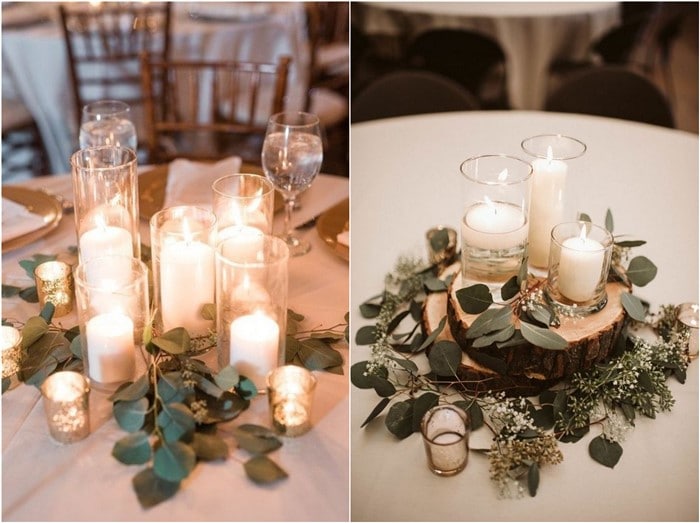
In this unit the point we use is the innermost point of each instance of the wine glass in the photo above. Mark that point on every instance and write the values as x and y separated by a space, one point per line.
291 158
107 122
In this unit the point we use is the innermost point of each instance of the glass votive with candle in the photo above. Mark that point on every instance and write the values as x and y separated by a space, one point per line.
54 283
106 202
251 306
445 430
182 254
495 219
579 262
549 202
290 391
66 402
243 204
112 314
11 351
688 315
441 244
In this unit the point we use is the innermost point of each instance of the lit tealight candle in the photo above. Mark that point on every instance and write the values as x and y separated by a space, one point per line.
243 241
254 345
110 347
66 401
105 240
11 350
494 225
187 283
580 267
290 397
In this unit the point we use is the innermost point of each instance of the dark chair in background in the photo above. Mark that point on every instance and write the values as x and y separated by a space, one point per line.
209 110
23 153
472 59
612 91
411 92
104 44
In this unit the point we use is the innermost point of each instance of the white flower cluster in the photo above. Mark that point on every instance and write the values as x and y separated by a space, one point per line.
509 416
616 428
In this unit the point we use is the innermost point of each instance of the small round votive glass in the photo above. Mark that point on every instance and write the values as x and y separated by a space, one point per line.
290 391
106 202
66 402
54 283
688 315
441 244
112 315
495 220
445 430
182 258
243 201
579 262
11 351
251 306
550 203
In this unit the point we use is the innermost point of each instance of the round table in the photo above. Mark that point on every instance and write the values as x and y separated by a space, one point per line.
405 180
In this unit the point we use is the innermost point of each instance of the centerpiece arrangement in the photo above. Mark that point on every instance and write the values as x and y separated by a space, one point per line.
538 340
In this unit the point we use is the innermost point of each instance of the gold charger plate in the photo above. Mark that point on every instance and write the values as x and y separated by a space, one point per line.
152 184
331 223
38 202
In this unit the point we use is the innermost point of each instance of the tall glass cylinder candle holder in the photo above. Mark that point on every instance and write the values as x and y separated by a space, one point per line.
579 262
54 283
495 219
106 200
251 306
445 430
112 314
11 350
243 202
182 254
66 402
549 202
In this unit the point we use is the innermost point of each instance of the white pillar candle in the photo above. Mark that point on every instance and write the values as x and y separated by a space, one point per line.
242 242
254 346
546 206
110 346
105 241
494 225
187 283
580 267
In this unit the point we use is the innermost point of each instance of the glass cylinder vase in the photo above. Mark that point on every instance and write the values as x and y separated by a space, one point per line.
495 218
182 257
550 204
105 194
579 262
112 313
251 306
445 430
243 201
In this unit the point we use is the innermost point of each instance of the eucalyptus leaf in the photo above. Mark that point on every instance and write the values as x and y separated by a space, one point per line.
445 357
633 306
76 347
327 336
40 373
33 329
247 388
379 407
130 415
645 382
176 421
318 355
423 404
522 273
609 224
8 291
29 294
510 288
409 365
133 449
174 460
491 362
209 447
395 321
47 311
582 216
630 243
226 408
6 382
433 335
605 452
540 314
256 439
207 386
170 387
543 338
133 391
533 479
208 311
366 335
515 340
472 408
544 417
559 404
295 316
490 321
152 490
175 341
416 309
641 271
227 378
495 337
434 284
474 299
262 470
628 411
575 435
359 375
370 310
399 419
439 240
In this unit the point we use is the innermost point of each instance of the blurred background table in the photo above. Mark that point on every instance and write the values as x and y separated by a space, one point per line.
43 480
648 177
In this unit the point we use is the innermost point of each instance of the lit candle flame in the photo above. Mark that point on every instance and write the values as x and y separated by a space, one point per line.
186 231
489 203
503 175
582 236
550 154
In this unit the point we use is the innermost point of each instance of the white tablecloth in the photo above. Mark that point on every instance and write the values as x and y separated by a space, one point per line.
37 63
406 179
532 34
42 480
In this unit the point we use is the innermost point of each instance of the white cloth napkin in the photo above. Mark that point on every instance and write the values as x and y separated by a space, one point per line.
189 183
18 220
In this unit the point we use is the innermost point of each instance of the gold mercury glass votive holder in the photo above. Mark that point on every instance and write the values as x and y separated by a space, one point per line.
688 315
442 244
54 283
66 402
445 430
290 397
11 351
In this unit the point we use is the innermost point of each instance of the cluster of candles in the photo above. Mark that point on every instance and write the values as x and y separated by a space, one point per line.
516 208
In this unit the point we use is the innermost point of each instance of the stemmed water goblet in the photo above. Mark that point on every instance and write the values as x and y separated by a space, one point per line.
291 158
